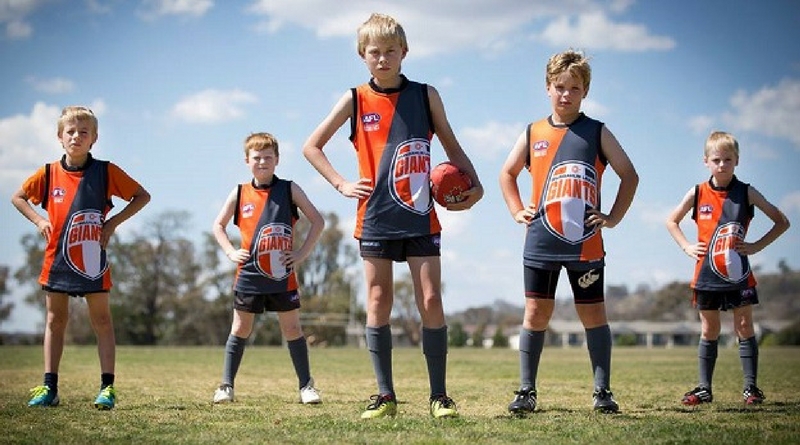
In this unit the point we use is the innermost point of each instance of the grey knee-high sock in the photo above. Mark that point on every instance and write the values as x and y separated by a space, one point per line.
298 351
531 344
598 340
434 347
379 343
748 354
234 350
707 359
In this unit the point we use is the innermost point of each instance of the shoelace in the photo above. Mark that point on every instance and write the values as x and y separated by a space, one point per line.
445 402
377 400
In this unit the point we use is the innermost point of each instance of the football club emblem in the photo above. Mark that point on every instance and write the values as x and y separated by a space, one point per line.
724 260
58 194
247 210
82 249
272 240
410 179
569 193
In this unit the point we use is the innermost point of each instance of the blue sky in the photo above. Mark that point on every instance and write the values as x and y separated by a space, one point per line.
178 84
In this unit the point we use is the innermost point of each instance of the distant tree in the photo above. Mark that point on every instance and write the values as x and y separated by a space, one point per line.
327 287
478 335
458 337
5 307
783 267
499 339
673 303
616 291
157 276
405 309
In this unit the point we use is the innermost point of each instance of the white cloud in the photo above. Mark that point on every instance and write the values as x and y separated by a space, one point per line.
444 26
26 143
212 106
491 140
771 111
594 109
56 85
13 14
154 9
595 31
701 125
791 203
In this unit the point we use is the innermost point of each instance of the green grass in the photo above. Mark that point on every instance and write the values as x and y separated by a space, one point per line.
164 396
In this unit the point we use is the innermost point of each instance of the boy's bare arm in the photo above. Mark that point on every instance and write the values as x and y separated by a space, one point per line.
310 211
221 235
629 180
780 224
509 172
137 202
694 250
20 202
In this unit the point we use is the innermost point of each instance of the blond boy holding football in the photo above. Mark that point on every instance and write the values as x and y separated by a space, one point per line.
392 121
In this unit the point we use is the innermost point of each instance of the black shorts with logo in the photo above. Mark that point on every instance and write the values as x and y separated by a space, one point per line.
585 277
260 303
400 249
705 300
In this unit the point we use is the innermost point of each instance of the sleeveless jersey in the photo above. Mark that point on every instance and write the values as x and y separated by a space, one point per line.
391 132
566 167
77 201
266 217
722 216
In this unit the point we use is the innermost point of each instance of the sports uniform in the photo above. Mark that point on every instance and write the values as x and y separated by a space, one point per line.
392 137
77 201
266 217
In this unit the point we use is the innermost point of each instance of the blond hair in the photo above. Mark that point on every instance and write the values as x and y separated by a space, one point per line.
722 142
380 27
76 113
574 62
260 141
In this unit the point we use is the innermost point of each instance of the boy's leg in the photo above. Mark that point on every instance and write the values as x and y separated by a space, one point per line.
380 296
103 325
708 347
598 341
241 328
748 346
55 328
426 277
298 348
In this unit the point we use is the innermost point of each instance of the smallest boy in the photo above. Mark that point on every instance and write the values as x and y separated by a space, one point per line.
722 208
265 210
76 194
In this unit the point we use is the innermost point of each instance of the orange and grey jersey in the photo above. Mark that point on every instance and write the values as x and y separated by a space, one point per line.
391 131
265 216
566 166
77 201
723 215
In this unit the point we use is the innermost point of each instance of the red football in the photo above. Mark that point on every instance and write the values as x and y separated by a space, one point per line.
447 183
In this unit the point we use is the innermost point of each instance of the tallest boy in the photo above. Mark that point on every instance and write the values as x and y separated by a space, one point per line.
392 122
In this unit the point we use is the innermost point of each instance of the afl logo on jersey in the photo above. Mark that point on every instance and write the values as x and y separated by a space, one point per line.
725 261
58 194
271 241
570 191
705 211
410 176
82 250
540 148
371 121
247 210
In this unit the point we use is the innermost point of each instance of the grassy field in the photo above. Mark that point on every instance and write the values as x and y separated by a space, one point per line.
164 396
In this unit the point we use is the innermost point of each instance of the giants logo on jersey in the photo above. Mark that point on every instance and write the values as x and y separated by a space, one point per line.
82 249
271 242
725 261
410 178
570 191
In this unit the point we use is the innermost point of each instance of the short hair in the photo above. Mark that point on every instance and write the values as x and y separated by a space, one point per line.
380 27
574 62
260 141
721 141
76 113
